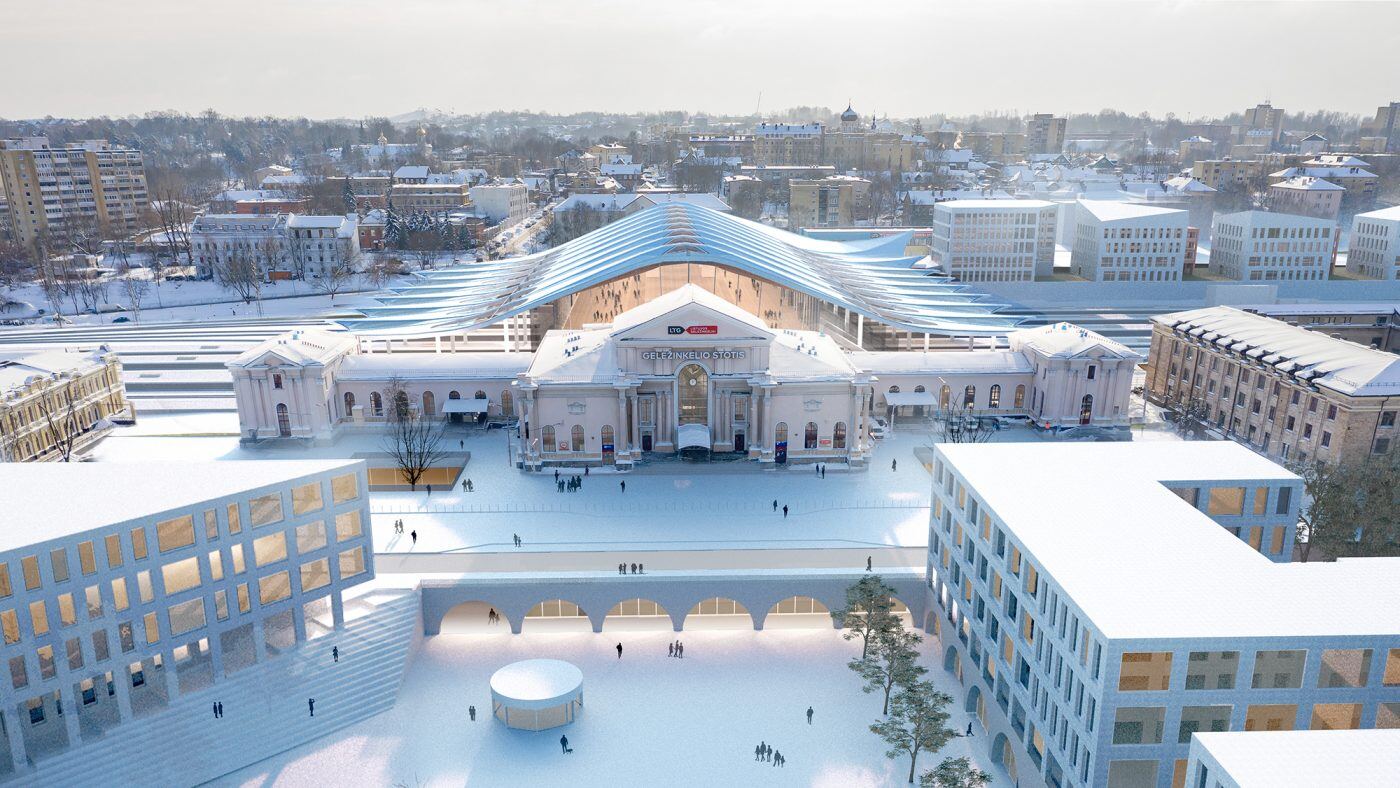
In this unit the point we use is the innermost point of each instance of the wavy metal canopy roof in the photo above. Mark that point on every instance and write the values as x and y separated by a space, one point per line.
872 277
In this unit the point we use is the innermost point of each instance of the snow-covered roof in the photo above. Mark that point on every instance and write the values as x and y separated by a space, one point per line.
414 171
988 204
1099 521
1335 160
942 362
1308 184
304 347
1391 214
433 366
46 501
873 277
17 368
1311 356
1364 758
1113 211
317 222
682 296
932 197
1066 340
536 683
1324 172
1327 308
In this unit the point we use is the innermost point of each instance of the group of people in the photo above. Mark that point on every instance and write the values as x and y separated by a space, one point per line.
569 484
637 569
467 486
516 539
821 470
676 649
492 617
398 529
775 508
766 753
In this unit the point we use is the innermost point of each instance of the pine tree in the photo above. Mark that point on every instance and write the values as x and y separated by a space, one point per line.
348 196
393 227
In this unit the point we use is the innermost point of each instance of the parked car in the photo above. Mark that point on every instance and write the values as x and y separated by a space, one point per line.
878 428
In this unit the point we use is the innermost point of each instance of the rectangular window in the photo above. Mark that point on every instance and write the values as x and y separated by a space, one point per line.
244 605
1336 716
1271 717
138 543
274 587
239 552
270 549
1283 500
345 488
1261 500
311 536
87 558
1191 495
347 525
1139 725
46 666
181 575
1212 670
39 617
352 562
9 624
19 676
59 560
1145 670
315 574
94 602
216 565
306 498
67 611
1278 670
265 509
235 525
175 533
114 551
143 585
1226 501
1391 678
211 525
1344 668
30 566
186 616
119 598
221 604
152 628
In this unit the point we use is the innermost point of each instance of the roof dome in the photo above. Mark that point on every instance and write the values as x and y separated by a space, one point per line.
849 114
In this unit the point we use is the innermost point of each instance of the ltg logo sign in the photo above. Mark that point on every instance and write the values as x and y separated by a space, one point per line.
704 330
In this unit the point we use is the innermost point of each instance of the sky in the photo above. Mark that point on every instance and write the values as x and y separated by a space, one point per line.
903 58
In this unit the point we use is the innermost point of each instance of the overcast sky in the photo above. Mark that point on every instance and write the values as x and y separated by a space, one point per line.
350 58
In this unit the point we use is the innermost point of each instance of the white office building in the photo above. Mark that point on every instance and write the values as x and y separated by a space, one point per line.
502 202
1128 242
994 240
1101 603
121 584
1375 244
1254 246
1294 759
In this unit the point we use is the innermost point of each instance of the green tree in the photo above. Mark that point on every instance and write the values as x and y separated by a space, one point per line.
954 773
867 611
1350 509
893 661
918 722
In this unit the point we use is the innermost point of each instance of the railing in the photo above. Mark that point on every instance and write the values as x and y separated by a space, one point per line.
640 507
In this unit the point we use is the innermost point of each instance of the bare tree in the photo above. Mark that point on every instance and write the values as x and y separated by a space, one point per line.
173 215
960 426
381 268
133 287
59 409
13 262
239 272
338 276
414 439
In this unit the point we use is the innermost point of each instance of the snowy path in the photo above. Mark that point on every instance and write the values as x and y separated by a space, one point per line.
649 719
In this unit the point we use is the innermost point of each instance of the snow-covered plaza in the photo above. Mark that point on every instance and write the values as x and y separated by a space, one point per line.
648 719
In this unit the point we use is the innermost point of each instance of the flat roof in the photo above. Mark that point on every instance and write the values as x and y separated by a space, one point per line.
1114 210
51 500
939 362
1281 759
1141 563
1000 205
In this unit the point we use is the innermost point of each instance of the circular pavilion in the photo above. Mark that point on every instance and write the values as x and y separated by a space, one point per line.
536 694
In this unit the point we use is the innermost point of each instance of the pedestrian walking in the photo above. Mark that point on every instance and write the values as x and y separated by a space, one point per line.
762 751
311 706
775 504
784 511
680 650
823 471
623 485
556 474
619 651
868 564
758 752
414 534
471 712
470 487
461 444
969 729
894 465
430 490
641 569
768 752
585 470
634 569
809 715
777 758
216 711
622 569
564 744
782 760
220 704
335 653
670 649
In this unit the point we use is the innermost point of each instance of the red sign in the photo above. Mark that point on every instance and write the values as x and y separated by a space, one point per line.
702 329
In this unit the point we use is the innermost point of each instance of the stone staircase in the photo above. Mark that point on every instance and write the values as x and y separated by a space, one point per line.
265 711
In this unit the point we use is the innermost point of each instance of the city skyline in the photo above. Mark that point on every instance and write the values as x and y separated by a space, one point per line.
889 56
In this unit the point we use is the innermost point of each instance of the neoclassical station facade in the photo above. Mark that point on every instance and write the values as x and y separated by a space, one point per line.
687 371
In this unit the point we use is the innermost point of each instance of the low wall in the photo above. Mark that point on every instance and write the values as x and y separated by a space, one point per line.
1185 295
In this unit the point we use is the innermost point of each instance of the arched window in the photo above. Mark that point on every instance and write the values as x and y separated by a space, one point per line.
429 404
507 406
1086 409
607 438
894 389
970 397
479 395
945 395
454 394
693 395
809 436
284 421
349 404
780 432
401 407
838 435
576 438
547 438
994 398
919 389
376 403
1020 396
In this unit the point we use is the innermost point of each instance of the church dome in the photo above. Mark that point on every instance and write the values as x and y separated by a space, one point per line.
849 114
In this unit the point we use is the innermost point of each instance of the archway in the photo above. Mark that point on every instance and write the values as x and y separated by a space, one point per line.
1020 396
1003 754
798 612
429 404
556 616
456 418
693 395
950 659
902 611
1086 409
349 404
473 618
809 436
637 615
284 422
718 613
977 704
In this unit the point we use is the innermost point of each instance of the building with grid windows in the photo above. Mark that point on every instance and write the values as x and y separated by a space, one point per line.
994 240
1127 242
133 589
78 187
1375 244
1255 246
1354 758
1100 604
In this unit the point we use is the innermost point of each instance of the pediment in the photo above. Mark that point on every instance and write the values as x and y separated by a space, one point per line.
694 322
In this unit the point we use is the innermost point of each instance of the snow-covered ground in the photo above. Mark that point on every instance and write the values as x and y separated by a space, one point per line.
648 719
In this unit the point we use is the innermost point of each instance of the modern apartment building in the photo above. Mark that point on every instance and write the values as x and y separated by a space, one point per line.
1128 242
119 588
502 202
1072 586
54 403
1386 125
1045 133
1259 246
994 240
1354 758
1375 244
1266 118
787 143
1291 393
79 186
834 201
1306 195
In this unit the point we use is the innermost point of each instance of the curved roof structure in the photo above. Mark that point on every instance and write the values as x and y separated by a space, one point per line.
872 277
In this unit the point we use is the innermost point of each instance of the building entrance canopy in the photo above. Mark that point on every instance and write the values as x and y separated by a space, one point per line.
474 405
900 398
871 277
689 435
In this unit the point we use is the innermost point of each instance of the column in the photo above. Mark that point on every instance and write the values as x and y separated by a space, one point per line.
259 641
925 341
437 344
860 330
172 678
216 655
337 610
299 623
121 685
768 438
620 431
15 733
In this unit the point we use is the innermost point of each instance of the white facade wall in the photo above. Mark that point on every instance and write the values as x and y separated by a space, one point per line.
1150 247
1375 245
504 202
215 239
995 240
1252 246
